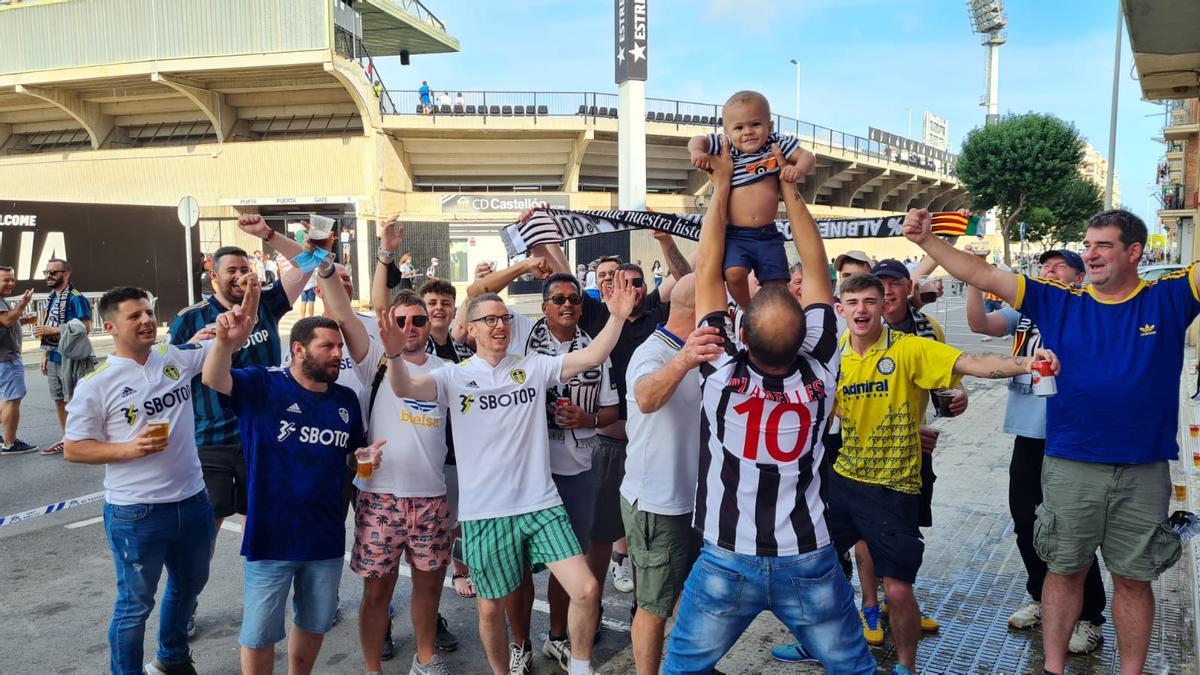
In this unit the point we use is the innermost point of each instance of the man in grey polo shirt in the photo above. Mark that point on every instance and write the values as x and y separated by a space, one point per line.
658 492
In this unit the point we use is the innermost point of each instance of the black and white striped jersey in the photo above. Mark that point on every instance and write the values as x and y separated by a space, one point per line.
759 488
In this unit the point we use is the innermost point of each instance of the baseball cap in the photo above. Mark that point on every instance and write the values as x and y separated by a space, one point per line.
890 268
1072 258
857 256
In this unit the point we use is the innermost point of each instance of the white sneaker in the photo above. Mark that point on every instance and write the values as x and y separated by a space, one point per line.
519 659
435 667
622 577
1085 638
986 338
559 651
1027 617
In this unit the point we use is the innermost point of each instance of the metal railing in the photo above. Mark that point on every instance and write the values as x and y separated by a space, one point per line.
1174 197
418 10
704 117
350 46
1181 112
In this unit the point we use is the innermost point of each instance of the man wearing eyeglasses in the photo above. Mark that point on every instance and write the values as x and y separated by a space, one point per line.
64 305
575 410
511 511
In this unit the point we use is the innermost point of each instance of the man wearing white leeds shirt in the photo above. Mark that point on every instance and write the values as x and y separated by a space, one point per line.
401 510
156 510
511 513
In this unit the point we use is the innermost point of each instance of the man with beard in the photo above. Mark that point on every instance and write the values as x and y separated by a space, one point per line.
217 438
589 401
64 304
511 511
297 426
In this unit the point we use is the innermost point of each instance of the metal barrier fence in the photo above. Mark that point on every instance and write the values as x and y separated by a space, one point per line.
704 117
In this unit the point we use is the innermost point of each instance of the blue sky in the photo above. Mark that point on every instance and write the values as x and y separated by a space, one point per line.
862 63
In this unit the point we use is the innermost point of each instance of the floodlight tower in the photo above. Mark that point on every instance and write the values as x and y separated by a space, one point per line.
987 17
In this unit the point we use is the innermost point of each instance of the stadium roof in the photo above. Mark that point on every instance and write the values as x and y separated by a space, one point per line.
392 26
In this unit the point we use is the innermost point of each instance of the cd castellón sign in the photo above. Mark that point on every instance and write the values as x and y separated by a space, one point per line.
492 203
631 42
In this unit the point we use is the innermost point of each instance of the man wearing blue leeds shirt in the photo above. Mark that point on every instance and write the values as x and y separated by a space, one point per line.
298 426
1025 418
1112 426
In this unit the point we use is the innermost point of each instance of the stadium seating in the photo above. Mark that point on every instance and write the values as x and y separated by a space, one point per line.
470 110
494 110
543 110
506 110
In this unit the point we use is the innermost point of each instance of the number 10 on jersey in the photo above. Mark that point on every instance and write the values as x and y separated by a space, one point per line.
794 418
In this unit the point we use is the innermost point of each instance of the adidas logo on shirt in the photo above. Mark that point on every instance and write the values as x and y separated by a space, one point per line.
472 384
294 408
127 391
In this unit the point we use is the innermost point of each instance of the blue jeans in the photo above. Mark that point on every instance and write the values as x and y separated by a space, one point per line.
265 593
144 538
808 593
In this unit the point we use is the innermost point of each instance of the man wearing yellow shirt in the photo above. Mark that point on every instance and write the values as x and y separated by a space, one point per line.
875 490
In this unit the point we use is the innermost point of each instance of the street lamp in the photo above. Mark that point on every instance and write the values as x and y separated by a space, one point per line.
796 63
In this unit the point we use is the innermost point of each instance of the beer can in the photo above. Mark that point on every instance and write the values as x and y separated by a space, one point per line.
1043 379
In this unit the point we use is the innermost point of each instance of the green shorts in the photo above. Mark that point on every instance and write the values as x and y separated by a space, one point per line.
663 549
498 550
1120 508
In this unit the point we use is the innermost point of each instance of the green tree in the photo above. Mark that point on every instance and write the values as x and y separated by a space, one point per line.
1065 218
1020 162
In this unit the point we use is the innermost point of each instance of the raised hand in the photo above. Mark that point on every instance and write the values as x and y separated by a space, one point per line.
918 226
623 298
390 334
538 267
254 225
391 234
789 174
721 163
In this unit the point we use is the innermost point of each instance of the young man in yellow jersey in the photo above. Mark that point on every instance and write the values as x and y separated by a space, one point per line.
875 490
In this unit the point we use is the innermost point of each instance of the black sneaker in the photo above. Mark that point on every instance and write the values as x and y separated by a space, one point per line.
19 447
157 667
389 645
445 640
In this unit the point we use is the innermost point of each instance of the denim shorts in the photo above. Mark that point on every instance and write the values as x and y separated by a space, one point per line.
12 379
760 249
266 592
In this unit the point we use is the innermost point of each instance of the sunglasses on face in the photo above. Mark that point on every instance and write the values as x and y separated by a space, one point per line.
50 273
418 320
637 282
566 299
492 319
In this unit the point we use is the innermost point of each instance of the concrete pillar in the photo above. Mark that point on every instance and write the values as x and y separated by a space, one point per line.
631 145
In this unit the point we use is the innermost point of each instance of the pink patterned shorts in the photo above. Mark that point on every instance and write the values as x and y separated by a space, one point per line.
386 526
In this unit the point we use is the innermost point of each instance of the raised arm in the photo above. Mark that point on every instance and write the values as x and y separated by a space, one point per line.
337 303
500 279
655 389
13 316
991 323
969 268
620 306
677 263
294 280
994 366
710 279
391 234
817 289
404 385
233 328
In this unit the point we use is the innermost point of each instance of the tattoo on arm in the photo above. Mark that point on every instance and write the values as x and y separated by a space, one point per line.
677 263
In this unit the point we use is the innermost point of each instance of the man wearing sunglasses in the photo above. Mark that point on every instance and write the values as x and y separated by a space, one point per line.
64 305
511 511
575 410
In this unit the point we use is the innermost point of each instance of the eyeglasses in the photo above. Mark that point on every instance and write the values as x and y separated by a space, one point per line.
492 319
566 299
418 320
50 273
1054 267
